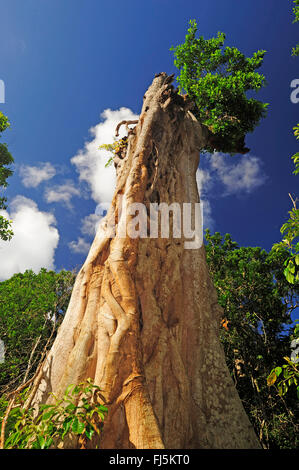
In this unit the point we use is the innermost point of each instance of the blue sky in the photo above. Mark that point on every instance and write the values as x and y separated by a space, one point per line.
65 63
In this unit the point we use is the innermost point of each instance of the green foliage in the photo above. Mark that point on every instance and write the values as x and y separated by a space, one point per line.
5 171
217 79
283 377
31 308
79 413
116 148
295 50
257 303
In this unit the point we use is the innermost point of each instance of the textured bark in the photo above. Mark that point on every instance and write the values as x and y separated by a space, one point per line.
143 320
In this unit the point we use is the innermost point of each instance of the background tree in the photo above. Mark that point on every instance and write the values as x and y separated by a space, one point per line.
31 309
257 302
5 171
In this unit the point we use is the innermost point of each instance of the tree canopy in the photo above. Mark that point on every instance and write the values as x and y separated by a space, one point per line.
256 331
31 307
6 160
217 78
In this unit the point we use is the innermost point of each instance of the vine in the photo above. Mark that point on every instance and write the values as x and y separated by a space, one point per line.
79 413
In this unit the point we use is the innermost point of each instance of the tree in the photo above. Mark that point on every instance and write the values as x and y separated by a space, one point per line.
5 171
257 302
143 319
31 308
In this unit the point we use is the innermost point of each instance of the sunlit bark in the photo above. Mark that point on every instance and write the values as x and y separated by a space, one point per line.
143 320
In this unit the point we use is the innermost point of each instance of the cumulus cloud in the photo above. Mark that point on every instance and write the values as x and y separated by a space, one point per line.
90 164
32 176
243 176
90 161
79 246
204 184
62 193
34 242
89 225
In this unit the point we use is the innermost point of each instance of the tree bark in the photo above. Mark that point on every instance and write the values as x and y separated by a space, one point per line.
143 320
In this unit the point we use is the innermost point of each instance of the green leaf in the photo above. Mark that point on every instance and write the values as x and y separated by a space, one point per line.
289 276
70 407
291 267
271 378
47 415
278 371
102 408
77 426
67 425
41 442
48 442
89 431
69 388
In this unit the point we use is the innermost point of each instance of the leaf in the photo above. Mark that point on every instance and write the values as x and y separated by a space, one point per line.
291 267
45 407
89 431
69 388
271 378
75 390
48 442
102 408
66 426
278 371
77 426
70 407
41 441
47 415
289 276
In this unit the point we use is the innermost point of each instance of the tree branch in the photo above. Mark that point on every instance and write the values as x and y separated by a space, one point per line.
126 123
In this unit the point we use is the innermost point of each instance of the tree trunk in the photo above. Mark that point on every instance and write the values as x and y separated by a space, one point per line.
143 320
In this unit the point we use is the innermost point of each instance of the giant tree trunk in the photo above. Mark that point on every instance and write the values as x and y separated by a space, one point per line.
143 320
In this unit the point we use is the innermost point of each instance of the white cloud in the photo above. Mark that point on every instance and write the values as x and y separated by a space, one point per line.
79 246
34 242
89 224
241 175
90 161
62 193
204 184
244 176
32 176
